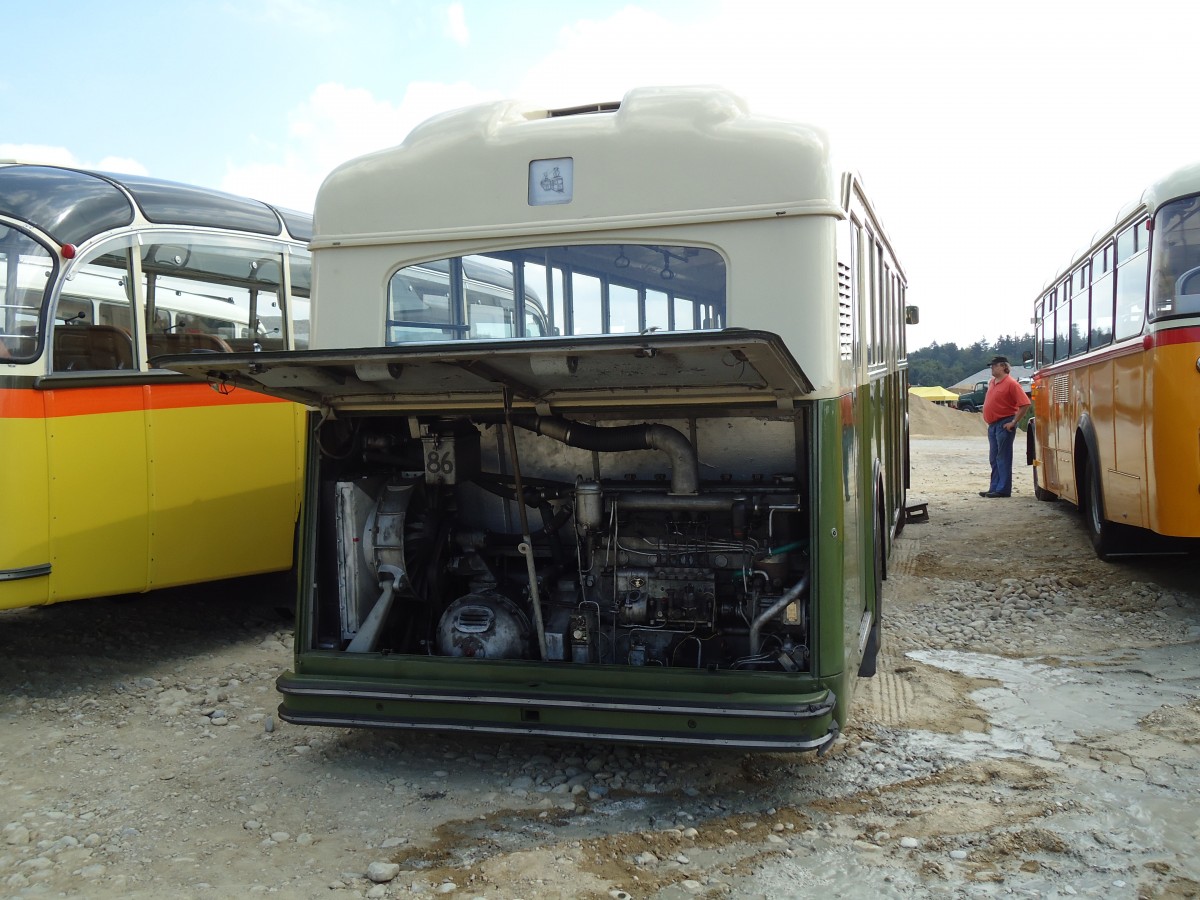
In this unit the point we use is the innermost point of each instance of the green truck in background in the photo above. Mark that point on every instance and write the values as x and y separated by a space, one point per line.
972 400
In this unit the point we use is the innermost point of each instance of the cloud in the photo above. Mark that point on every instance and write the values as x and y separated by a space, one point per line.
335 124
456 25
38 153
61 156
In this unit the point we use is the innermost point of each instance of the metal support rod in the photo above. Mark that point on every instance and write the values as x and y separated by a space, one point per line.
526 545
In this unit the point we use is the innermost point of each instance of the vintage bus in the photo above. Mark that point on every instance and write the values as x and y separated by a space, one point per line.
644 494
1116 396
121 476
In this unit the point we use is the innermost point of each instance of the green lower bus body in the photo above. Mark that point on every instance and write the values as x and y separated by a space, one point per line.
752 711
643 556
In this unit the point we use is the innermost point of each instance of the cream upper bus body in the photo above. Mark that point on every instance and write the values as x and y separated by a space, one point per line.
612 185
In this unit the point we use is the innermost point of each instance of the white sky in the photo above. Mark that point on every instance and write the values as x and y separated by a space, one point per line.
994 139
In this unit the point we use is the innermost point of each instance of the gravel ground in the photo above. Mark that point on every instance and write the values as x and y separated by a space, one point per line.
1034 731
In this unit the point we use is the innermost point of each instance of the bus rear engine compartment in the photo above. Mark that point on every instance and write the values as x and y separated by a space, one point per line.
623 554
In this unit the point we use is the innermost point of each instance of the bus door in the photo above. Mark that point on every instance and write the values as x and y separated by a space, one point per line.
1060 435
221 466
96 454
848 428
96 436
1125 492
24 529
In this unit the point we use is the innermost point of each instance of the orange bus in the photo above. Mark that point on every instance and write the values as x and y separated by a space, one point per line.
1116 397
117 475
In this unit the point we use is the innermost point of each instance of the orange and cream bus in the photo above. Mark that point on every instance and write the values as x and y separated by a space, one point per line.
119 476
1117 392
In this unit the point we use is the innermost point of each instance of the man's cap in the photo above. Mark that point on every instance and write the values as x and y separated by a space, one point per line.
998 359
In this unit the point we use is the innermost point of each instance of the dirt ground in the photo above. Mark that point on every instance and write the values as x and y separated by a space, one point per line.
1034 730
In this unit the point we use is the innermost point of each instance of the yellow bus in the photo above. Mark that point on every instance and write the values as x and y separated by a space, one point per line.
630 471
120 476
1116 397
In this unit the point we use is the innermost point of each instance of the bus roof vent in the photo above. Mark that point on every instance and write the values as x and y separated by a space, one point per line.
587 109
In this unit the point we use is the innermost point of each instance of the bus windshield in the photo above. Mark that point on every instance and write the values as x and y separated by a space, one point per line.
1175 286
578 289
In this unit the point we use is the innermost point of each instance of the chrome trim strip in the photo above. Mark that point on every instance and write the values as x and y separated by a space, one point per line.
27 572
636 737
808 710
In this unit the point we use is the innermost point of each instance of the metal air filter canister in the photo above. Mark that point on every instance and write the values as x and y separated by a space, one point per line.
484 626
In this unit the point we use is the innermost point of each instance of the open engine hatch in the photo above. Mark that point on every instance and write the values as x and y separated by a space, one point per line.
727 367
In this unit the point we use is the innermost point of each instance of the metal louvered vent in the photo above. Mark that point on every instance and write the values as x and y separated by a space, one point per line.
845 312
1062 388
474 619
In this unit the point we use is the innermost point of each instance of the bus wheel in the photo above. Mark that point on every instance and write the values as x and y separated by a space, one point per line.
1040 492
1102 532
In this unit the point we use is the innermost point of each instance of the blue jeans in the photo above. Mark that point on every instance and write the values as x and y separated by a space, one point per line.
1000 453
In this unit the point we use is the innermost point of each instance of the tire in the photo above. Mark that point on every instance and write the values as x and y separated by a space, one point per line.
1040 492
966 407
1031 460
1102 532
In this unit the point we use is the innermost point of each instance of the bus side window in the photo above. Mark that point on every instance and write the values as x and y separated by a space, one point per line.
490 302
419 305
1062 324
1132 272
1080 309
227 297
93 321
299 303
25 276
1102 299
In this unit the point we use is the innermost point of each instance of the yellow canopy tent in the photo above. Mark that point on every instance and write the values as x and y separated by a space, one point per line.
934 394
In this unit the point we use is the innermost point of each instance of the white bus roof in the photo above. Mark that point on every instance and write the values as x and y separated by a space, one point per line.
1180 183
479 158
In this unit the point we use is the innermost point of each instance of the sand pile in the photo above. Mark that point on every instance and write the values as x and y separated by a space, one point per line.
927 419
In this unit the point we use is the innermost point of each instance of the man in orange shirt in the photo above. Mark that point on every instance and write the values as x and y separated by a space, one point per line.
1003 407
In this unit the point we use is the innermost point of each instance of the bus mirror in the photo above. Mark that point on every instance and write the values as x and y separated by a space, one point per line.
1027 358
912 315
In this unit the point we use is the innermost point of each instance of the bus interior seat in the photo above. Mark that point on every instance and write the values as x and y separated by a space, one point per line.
91 348
184 342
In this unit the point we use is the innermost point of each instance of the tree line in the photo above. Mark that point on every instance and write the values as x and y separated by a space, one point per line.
941 365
